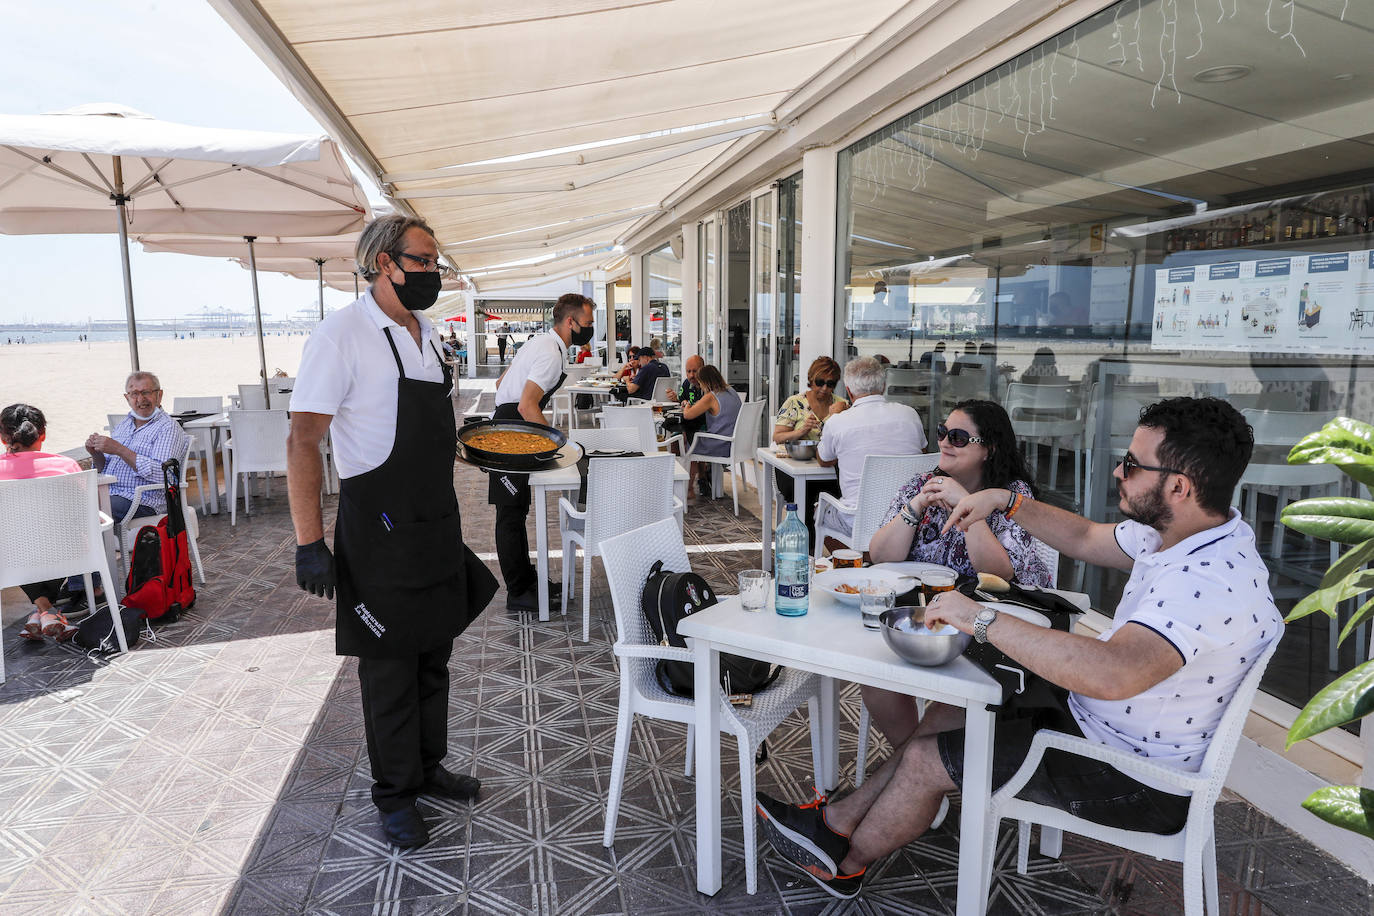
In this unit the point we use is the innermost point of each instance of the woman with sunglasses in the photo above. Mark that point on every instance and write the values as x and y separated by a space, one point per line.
802 416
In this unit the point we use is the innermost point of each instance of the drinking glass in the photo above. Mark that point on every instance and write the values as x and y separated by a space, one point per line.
933 583
875 598
754 586
847 559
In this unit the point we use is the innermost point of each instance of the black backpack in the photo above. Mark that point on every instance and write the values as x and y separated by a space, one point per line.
668 597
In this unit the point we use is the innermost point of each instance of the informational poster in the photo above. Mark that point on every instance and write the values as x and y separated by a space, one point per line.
1304 303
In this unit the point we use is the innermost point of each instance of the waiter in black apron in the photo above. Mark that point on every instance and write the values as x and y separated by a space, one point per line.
372 376
523 393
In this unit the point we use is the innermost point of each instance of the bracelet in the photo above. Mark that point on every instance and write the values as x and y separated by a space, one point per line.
1011 498
1015 505
907 517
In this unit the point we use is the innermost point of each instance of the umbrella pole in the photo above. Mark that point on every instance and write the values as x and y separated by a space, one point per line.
319 270
257 314
120 200
356 290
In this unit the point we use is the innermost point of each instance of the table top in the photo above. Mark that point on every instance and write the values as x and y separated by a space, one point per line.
792 467
220 420
831 639
569 479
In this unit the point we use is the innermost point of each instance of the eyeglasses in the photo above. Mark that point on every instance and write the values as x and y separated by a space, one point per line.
1129 464
141 393
825 382
431 265
957 437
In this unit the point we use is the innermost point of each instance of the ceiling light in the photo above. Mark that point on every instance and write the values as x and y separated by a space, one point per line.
1251 168
1222 74
1343 76
1140 139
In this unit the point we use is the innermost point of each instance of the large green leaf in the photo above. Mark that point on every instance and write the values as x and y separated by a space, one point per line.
1326 599
1345 806
1350 561
1356 619
1347 699
1332 518
1346 443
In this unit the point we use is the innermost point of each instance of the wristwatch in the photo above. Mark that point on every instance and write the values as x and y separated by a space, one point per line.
981 623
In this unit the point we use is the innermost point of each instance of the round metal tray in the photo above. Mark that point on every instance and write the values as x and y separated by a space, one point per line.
569 455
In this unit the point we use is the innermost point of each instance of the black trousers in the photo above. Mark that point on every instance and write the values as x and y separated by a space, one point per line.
814 489
513 548
405 713
501 348
52 590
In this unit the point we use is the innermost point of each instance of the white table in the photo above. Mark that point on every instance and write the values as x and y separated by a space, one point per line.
104 482
206 430
600 391
557 481
800 472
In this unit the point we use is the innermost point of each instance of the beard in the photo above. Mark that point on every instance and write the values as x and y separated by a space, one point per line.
1149 509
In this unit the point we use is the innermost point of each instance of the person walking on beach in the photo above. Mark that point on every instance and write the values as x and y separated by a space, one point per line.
371 375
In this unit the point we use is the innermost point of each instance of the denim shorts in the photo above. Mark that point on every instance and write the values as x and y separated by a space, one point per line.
1085 788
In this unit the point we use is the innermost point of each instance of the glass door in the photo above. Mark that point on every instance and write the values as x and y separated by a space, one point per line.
708 327
736 303
785 376
763 285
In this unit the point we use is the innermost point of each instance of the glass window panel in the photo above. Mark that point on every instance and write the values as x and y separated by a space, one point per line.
663 268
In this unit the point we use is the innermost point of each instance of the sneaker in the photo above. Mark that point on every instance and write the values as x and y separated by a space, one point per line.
800 834
845 887
53 623
941 814
33 627
68 631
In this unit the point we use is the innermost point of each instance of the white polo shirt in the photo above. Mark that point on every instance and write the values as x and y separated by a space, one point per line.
348 372
1208 595
542 359
872 425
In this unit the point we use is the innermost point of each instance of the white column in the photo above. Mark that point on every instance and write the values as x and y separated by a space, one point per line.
691 294
596 291
470 310
818 303
639 305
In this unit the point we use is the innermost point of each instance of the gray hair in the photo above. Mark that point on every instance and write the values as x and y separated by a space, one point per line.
383 234
865 375
138 375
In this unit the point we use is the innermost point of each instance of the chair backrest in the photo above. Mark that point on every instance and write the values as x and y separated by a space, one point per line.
114 419
282 383
1280 430
627 493
576 374
746 436
628 558
251 397
882 476
1062 399
1216 763
620 438
280 400
49 528
1050 557
637 417
198 405
592 362
664 385
259 439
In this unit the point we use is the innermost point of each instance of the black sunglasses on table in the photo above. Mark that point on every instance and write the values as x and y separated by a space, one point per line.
1129 464
957 437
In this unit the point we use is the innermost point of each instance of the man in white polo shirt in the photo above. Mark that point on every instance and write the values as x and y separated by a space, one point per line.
371 375
872 425
523 393
1195 615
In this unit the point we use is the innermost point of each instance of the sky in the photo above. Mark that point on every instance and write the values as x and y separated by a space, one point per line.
176 60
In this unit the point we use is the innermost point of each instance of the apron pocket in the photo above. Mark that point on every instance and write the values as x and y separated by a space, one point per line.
413 554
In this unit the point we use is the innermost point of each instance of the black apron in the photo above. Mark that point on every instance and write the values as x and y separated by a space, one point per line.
508 489
406 581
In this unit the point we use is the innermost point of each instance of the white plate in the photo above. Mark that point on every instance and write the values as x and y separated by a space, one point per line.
829 580
1015 610
915 568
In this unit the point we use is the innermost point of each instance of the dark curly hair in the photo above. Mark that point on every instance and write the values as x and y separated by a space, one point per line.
1005 464
21 425
1208 440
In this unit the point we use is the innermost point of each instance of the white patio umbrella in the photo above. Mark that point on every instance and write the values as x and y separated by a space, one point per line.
65 172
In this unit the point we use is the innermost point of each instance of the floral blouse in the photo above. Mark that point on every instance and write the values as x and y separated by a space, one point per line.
929 546
793 412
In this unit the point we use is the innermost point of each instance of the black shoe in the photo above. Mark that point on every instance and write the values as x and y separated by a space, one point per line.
846 887
451 785
801 836
529 600
404 828
704 487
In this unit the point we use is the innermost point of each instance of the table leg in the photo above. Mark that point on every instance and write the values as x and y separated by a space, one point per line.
113 587
541 550
707 687
977 792
830 748
227 460
766 504
208 446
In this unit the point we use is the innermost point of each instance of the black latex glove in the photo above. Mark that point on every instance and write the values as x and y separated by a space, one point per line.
315 569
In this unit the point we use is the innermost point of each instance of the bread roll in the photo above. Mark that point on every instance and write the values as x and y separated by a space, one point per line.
992 583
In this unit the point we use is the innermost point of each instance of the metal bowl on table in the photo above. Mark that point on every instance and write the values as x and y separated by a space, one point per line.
802 449
904 630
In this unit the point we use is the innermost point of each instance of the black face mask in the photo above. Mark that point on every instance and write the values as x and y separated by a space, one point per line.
421 289
583 335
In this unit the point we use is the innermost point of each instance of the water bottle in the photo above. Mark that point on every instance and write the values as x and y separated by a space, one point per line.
792 564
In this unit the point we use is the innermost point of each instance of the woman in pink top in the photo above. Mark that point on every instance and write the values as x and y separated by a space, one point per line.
22 430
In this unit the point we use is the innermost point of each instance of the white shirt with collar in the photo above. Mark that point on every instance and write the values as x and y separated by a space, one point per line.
1208 596
872 425
542 359
348 372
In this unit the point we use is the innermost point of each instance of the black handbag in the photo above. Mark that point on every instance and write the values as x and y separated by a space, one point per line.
1022 689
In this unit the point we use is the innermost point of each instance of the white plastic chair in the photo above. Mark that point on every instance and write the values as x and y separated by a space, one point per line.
282 383
662 386
562 402
882 476
620 438
628 558
200 442
50 528
112 420
1194 845
1053 414
257 444
622 494
251 397
743 442
127 528
640 417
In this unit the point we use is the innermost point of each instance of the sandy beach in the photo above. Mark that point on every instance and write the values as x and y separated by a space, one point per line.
76 384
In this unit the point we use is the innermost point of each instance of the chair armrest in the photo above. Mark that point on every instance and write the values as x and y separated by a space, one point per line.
138 501
834 502
106 523
665 444
678 505
635 650
568 510
713 436
1131 764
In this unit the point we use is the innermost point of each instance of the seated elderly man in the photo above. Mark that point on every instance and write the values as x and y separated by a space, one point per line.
1195 614
139 444
872 425
650 371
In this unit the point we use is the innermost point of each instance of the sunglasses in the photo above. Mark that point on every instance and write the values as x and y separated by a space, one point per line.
825 382
957 437
1129 464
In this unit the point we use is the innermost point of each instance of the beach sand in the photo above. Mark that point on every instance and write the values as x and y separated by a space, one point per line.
76 384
